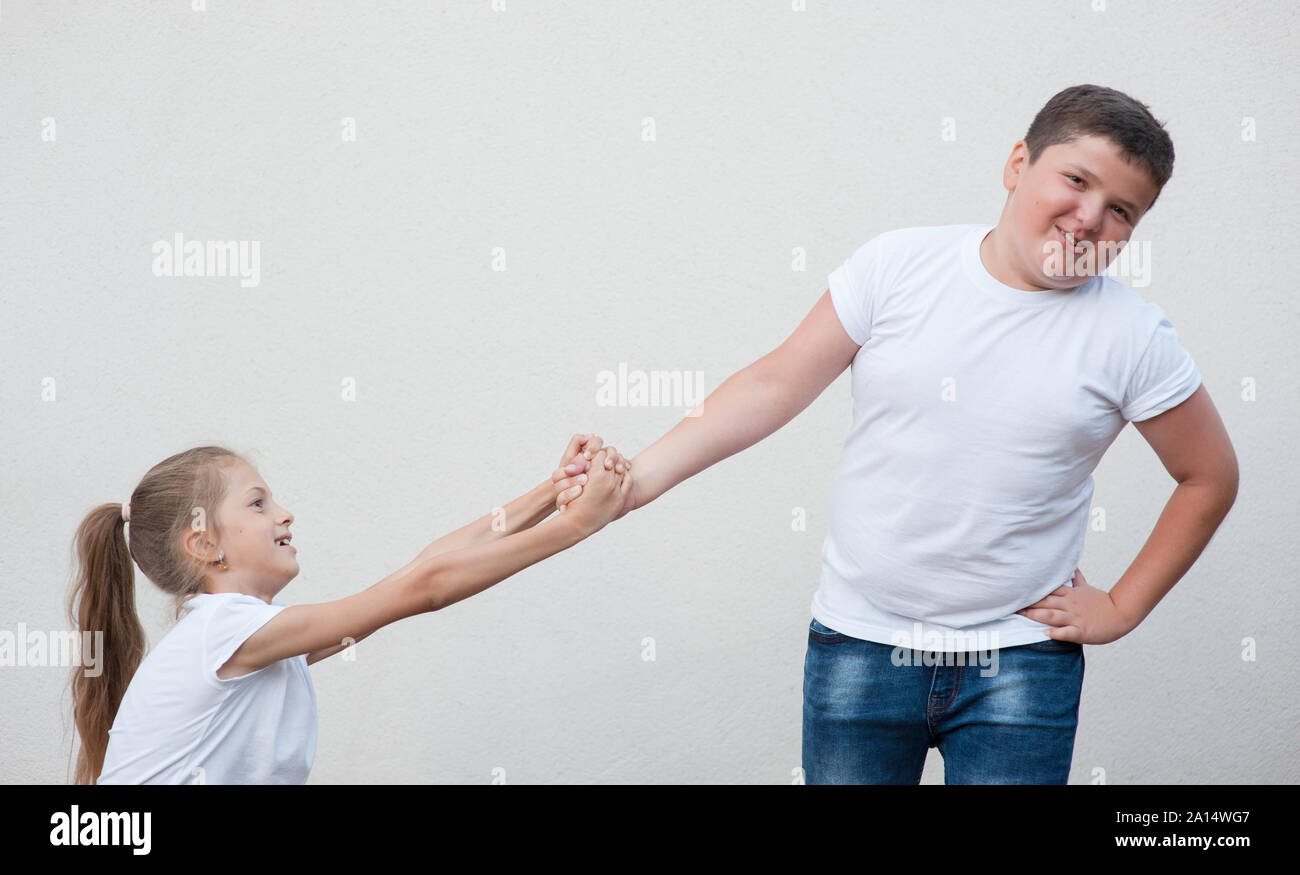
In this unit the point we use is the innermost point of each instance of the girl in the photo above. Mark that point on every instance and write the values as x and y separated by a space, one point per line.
225 696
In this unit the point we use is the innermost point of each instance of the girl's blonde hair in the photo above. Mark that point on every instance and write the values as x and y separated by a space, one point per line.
178 494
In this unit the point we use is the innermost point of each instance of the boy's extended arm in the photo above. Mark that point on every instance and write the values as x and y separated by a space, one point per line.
752 404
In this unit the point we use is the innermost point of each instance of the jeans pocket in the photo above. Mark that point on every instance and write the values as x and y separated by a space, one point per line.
824 634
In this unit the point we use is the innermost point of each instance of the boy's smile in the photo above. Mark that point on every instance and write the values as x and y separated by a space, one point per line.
1080 200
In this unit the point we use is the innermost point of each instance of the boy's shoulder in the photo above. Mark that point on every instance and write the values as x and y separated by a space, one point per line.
925 236
900 248
1116 295
1120 306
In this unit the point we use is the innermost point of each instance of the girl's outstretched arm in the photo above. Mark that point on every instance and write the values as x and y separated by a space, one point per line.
522 513
432 583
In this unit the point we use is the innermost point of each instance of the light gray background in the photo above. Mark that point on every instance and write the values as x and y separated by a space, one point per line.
521 129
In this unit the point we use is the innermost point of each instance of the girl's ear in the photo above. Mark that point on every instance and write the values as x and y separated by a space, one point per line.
199 546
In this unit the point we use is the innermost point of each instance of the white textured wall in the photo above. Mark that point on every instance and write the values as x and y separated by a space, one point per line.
522 129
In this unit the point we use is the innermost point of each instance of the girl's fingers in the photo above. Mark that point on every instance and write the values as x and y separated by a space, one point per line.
574 449
569 482
592 446
575 445
575 466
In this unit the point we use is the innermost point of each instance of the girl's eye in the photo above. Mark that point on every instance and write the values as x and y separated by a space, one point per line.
259 501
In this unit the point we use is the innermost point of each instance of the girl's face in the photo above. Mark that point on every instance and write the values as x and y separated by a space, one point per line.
1085 188
251 526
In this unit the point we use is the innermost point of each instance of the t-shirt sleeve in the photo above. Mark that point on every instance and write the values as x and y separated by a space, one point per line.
854 287
231 624
1165 376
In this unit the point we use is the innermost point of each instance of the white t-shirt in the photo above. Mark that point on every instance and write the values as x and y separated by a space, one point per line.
980 412
181 724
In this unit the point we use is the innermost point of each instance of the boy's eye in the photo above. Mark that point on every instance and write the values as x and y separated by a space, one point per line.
259 501
1122 211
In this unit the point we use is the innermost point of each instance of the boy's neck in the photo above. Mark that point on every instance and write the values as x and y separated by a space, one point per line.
998 265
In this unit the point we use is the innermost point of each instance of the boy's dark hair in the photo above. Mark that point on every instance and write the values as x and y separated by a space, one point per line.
1083 110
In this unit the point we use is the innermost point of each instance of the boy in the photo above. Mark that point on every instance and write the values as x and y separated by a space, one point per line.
992 368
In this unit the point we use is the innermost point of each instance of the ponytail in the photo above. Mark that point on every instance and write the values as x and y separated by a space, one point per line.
103 600
103 591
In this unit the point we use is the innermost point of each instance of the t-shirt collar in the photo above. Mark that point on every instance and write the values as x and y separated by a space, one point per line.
979 275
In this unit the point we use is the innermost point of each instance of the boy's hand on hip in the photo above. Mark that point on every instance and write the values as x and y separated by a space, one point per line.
1080 613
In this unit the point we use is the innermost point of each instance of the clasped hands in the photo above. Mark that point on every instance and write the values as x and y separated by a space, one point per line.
593 479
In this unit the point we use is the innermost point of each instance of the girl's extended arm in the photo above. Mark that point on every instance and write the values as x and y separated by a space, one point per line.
522 513
432 583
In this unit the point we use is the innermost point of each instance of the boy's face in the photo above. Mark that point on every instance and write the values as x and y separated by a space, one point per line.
1084 189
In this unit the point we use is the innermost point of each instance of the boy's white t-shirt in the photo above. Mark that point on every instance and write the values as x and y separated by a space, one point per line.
181 724
979 414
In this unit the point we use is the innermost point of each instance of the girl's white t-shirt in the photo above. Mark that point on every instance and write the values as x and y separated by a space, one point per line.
979 414
181 724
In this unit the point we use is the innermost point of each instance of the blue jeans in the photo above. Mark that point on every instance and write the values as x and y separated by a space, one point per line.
869 720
